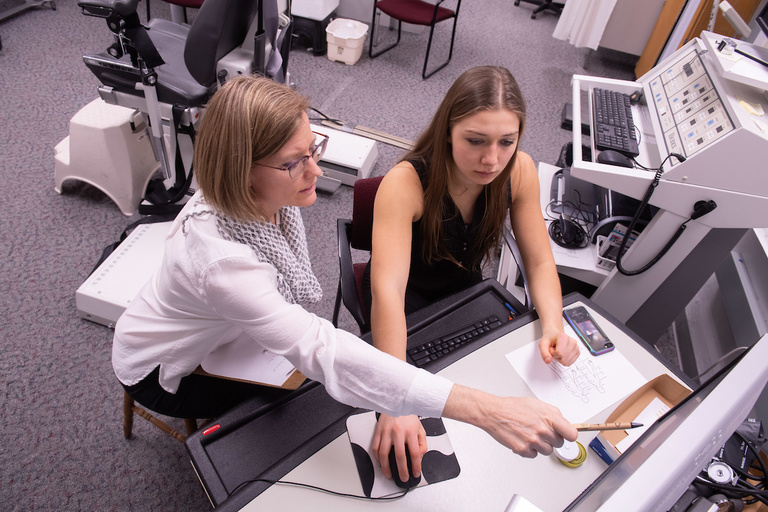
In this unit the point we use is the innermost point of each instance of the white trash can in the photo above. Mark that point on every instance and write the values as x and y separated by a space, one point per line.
345 40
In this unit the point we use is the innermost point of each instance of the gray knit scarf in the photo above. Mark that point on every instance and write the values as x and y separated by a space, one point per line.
284 246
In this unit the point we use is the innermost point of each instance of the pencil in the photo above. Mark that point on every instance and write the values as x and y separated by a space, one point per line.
584 427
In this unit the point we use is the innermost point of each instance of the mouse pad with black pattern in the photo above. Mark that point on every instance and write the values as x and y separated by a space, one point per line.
438 464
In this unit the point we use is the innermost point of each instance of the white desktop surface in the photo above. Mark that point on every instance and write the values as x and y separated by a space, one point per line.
737 67
490 473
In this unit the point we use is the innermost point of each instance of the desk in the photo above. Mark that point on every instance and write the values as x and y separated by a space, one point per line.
490 473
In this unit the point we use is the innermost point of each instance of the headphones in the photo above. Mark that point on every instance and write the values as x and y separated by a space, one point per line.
568 234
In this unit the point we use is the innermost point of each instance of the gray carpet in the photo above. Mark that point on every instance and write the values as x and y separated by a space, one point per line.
62 446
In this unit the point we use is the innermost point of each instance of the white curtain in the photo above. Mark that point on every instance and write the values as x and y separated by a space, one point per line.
583 22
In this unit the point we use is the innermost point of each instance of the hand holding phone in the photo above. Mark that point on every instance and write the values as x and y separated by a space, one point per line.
588 331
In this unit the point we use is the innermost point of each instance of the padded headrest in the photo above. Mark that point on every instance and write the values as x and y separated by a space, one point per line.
219 28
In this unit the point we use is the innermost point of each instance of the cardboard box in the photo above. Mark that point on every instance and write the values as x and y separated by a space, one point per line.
663 387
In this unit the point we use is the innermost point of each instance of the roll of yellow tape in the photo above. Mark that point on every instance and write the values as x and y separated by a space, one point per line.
572 454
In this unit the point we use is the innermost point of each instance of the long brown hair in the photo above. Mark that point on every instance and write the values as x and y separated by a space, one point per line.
250 118
484 88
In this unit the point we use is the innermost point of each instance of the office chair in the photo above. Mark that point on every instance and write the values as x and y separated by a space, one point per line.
168 71
544 5
356 234
416 12
130 408
515 251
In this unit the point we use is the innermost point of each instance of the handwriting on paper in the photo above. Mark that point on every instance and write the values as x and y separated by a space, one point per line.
581 390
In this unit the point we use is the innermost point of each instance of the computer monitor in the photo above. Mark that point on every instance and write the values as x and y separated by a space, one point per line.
659 467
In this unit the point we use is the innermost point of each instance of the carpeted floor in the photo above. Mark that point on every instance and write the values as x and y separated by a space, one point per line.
62 446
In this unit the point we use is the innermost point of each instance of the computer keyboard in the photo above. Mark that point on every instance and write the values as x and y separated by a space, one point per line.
612 123
437 348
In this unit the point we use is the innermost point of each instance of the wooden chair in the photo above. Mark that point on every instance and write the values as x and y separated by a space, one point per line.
130 407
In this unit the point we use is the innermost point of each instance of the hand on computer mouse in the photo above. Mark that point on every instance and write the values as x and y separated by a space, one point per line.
405 433
406 483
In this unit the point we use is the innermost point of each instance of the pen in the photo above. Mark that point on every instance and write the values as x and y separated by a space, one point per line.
512 312
584 427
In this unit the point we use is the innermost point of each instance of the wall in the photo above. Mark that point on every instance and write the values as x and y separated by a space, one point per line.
630 25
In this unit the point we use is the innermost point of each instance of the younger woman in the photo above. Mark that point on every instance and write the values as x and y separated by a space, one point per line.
440 212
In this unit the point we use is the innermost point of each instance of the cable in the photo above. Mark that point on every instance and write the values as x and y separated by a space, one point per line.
324 117
743 492
700 208
582 216
320 489
742 488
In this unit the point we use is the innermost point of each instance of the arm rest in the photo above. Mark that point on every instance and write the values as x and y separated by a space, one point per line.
515 250
106 8
347 284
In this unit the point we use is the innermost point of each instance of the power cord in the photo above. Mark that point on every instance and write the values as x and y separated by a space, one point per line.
701 208
320 489
324 117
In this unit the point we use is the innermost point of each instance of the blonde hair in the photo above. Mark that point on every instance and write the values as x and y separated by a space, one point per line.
484 88
249 119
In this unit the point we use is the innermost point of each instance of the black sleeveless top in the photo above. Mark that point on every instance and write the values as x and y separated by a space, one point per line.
429 282
440 278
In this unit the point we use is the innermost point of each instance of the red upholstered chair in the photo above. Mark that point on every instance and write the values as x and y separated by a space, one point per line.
179 9
416 12
355 234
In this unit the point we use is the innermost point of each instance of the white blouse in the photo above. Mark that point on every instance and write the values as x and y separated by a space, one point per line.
209 291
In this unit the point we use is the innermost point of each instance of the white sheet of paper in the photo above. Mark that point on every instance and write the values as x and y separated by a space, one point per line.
652 412
245 359
581 390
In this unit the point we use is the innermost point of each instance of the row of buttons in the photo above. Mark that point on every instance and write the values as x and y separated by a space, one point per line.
433 350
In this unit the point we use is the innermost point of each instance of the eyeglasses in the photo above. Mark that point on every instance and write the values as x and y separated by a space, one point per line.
297 167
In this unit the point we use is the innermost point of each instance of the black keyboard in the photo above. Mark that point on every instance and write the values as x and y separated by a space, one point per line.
437 348
612 123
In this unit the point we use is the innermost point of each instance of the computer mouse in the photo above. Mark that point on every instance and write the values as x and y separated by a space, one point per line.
612 157
412 481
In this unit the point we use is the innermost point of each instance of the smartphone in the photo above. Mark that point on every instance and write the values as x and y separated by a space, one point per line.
590 333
